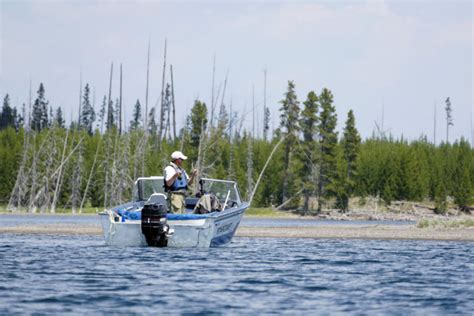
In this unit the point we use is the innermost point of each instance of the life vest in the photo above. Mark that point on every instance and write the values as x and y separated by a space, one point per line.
180 183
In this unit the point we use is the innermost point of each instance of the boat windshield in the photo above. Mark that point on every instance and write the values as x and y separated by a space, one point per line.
224 190
145 187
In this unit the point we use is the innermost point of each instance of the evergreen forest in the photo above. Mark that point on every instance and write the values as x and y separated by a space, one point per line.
303 164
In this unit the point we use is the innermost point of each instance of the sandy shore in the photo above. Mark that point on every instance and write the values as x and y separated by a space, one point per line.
348 230
361 232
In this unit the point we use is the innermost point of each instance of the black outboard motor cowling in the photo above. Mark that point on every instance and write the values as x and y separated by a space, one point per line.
154 224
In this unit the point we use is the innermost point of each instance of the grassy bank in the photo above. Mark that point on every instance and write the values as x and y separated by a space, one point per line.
267 212
451 223
61 211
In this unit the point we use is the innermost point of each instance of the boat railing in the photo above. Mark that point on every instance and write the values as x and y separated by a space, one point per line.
224 189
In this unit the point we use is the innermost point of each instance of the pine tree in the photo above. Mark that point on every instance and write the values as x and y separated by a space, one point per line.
328 143
266 123
152 127
198 120
449 118
290 111
350 146
7 117
39 119
87 114
223 120
17 119
110 116
309 127
463 190
136 116
58 119
102 113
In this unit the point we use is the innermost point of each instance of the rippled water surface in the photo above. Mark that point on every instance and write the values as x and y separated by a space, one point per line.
79 274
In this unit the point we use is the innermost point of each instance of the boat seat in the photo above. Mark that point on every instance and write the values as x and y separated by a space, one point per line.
190 202
157 198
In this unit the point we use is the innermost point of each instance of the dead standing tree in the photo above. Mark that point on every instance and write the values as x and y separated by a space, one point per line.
19 189
212 90
120 103
108 138
91 172
76 182
162 110
173 102
59 177
140 152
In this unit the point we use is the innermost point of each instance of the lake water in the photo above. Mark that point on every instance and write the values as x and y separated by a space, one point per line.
69 274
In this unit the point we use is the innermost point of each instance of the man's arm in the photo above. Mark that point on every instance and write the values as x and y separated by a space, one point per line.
170 181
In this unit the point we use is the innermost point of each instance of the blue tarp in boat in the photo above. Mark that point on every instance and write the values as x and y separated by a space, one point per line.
137 215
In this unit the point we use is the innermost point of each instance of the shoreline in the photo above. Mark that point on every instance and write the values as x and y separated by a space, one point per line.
347 231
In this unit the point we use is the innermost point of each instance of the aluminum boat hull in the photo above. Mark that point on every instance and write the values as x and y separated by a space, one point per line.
212 230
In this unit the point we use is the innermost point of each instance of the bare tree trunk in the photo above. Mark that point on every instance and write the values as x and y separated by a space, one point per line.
288 200
84 196
253 111
212 90
231 122
77 181
146 93
124 181
168 123
106 185
113 178
58 180
33 184
67 158
201 153
173 103
139 156
20 182
80 100
120 103
29 108
106 162
141 151
162 111
110 92
265 123
222 106
250 182
231 170
434 127
50 160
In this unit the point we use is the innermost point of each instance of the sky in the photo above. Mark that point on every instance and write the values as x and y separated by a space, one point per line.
393 63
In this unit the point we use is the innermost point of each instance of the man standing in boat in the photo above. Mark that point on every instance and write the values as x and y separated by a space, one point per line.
176 182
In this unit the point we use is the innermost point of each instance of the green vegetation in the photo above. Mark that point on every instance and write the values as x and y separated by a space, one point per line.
437 223
92 163
266 212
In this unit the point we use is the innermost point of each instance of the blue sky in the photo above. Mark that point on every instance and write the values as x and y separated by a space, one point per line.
404 56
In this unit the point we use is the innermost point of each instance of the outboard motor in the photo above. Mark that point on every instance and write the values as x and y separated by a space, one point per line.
154 222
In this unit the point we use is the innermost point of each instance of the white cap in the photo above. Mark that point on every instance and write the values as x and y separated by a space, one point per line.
178 155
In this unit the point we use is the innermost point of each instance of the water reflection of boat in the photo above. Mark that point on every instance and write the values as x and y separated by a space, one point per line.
145 220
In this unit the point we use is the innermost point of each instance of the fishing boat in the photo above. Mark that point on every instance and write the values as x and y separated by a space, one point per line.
146 220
